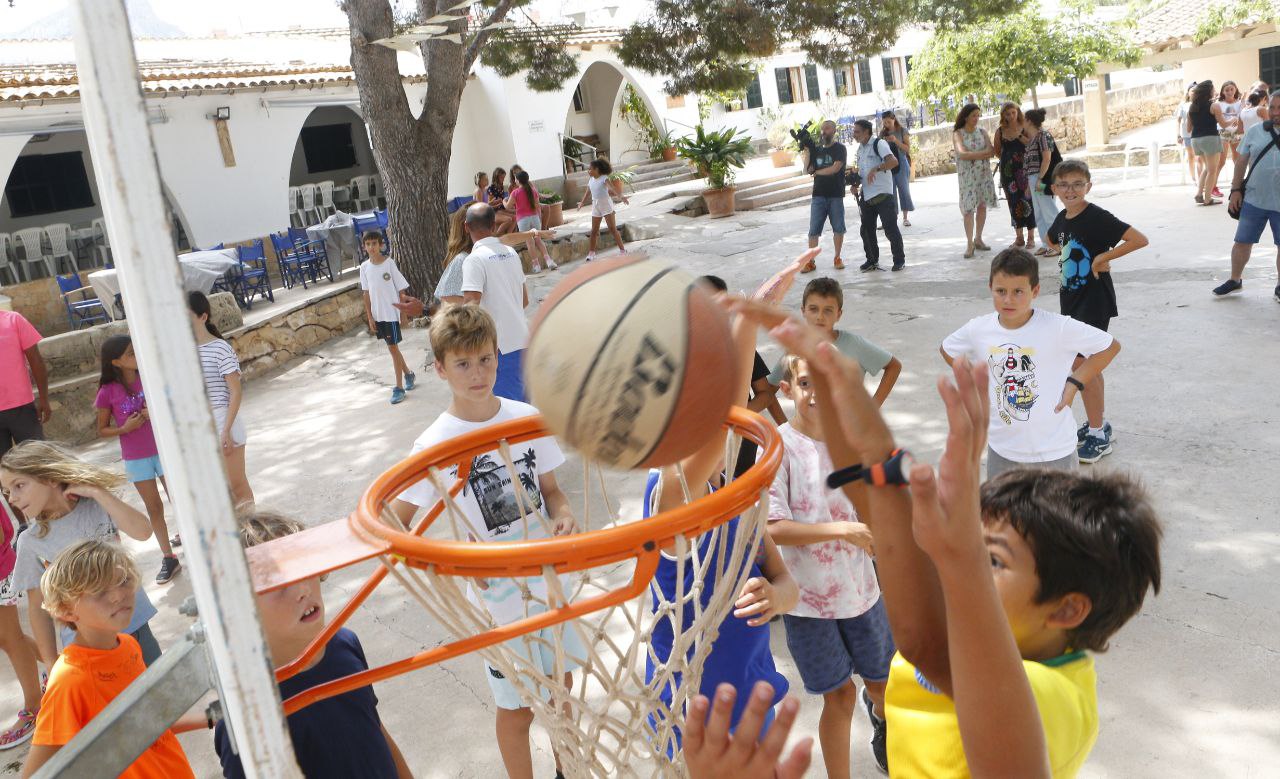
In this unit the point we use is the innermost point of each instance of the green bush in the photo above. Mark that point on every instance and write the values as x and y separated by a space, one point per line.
715 154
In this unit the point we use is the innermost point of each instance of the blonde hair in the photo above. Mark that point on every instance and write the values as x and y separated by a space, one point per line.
1020 118
85 568
791 367
261 526
467 328
459 238
50 462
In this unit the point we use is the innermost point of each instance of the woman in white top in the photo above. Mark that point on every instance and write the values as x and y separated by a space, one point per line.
1194 161
601 205
1231 104
1254 112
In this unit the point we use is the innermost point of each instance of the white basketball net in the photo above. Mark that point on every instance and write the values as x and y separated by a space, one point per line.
611 723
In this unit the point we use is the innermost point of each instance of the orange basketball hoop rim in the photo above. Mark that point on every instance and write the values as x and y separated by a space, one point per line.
365 535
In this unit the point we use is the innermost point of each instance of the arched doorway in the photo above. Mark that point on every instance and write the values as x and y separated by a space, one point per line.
594 117
52 182
333 149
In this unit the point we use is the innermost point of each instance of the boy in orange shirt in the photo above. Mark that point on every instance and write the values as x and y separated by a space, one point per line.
90 586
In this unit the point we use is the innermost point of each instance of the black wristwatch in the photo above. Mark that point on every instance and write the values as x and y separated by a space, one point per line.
1073 380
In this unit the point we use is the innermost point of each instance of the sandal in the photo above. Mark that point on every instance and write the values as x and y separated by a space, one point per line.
1020 242
980 246
21 732
1212 202
810 267
968 254
839 264
906 222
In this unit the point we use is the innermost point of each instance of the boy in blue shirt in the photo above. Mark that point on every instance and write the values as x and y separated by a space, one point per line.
339 737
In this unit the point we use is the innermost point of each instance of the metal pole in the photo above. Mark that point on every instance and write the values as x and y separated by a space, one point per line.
128 175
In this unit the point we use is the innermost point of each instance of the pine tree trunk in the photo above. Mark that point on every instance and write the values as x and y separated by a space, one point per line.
412 154
1035 99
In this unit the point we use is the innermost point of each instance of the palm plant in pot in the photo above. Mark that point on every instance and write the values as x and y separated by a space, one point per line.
716 154
662 144
782 147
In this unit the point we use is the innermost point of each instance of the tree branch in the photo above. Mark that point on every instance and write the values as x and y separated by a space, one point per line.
477 43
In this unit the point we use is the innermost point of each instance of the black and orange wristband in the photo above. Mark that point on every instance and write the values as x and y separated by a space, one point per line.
892 472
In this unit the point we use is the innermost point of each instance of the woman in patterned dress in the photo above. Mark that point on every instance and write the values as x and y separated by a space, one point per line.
1011 147
977 193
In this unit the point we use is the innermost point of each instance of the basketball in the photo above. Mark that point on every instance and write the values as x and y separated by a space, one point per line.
629 362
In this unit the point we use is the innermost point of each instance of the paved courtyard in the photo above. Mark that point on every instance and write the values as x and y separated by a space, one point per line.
1188 689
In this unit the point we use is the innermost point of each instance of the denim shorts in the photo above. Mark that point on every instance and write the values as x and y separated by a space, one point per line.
1206 145
1253 220
531 222
510 381
143 468
822 208
828 652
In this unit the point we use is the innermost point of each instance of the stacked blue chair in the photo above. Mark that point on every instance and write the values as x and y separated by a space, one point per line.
291 265
85 310
311 252
253 278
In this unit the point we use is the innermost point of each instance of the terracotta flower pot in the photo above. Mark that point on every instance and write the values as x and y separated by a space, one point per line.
615 187
719 201
782 158
552 215
669 154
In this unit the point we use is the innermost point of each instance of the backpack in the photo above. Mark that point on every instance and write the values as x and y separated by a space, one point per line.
1054 158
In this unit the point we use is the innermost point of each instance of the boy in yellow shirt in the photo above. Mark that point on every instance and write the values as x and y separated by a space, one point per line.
995 594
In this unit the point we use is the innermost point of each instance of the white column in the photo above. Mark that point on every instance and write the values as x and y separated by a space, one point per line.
129 183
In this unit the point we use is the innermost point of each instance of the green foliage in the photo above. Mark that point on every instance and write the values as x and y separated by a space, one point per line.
537 51
706 46
636 114
715 154
1215 19
551 199
1009 56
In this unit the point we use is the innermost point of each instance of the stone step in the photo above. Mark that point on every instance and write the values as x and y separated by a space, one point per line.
687 175
772 183
793 203
643 169
789 191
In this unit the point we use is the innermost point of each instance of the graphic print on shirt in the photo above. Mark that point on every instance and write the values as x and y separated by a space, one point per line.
491 484
1014 385
1075 264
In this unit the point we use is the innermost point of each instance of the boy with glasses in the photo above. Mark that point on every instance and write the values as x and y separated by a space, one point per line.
1088 239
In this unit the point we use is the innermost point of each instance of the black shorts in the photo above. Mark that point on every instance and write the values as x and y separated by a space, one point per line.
1100 322
389 332
17 425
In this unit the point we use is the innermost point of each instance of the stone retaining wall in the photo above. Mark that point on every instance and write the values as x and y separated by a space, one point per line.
1127 109
287 335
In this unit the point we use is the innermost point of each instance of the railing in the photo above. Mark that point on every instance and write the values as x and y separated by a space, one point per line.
576 162
667 122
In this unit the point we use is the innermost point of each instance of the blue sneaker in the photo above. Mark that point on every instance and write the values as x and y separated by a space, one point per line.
1082 433
397 395
1094 448
410 379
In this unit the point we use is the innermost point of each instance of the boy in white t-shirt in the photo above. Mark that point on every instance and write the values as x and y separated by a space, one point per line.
464 343
839 627
493 276
384 287
1029 352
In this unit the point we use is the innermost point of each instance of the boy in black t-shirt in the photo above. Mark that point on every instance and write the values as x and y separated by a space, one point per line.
1088 239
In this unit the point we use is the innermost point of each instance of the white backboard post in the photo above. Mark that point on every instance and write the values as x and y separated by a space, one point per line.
128 176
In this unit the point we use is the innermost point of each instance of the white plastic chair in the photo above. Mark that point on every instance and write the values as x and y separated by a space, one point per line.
7 262
295 208
308 192
360 193
60 244
325 190
31 242
376 193
101 243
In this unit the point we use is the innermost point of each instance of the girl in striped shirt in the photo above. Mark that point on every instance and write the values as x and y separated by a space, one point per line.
222 383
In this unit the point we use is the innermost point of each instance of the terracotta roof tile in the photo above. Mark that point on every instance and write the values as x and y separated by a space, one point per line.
1177 20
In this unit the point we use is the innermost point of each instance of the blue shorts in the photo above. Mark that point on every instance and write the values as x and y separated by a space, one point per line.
1253 220
143 469
828 652
389 332
510 383
504 692
823 208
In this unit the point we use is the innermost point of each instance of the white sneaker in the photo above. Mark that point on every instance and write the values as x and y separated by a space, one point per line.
590 256
537 268
549 263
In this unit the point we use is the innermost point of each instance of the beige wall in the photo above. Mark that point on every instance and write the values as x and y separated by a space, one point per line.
1240 67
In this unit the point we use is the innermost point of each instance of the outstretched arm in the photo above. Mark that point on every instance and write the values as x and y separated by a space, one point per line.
999 721
887 380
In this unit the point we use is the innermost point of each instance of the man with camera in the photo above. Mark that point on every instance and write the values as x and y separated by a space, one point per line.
826 164
875 200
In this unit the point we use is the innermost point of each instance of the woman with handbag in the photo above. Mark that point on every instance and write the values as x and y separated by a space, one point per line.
1041 158
977 192
899 140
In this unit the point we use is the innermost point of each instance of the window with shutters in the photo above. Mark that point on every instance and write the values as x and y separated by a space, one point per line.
811 82
47 183
783 77
1269 64
754 98
864 78
893 72
844 80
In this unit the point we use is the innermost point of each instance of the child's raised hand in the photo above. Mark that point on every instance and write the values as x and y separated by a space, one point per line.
756 603
946 516
773 290
712 752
